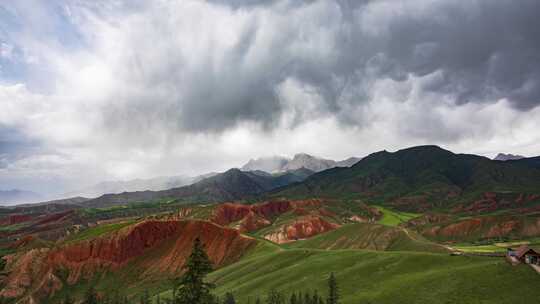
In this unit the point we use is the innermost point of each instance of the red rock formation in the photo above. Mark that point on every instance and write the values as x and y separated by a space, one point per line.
22 242
249 217
165 245
460 229
486 227
15 219
272 209
253 222
502 229
254 217
55 217
228 213
300 229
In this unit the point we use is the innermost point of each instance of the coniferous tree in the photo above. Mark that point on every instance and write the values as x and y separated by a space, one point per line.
274 297
192 289
116 298
67 299
229 299
315 297
168 301
293 299
145 297
333 292
307 298
90 297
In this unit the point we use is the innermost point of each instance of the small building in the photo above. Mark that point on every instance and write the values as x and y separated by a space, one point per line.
523 254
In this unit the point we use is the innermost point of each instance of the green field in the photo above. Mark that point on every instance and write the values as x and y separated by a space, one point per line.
94 232
366 276
382 277
394 218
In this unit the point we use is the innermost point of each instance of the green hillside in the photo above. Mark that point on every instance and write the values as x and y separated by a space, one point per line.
382 277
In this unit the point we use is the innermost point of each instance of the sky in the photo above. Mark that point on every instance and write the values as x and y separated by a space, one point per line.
113 90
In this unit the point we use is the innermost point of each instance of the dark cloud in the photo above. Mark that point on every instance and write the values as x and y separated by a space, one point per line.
483 50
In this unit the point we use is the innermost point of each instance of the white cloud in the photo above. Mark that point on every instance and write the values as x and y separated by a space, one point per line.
187 87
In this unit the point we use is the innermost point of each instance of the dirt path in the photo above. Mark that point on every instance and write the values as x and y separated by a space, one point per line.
412 237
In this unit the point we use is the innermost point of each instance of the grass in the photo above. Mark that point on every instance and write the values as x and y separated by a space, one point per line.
381 277
100 230
13 227
394 218
497 246
479 248
364 276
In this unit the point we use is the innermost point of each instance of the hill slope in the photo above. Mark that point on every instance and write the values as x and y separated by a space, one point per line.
381 277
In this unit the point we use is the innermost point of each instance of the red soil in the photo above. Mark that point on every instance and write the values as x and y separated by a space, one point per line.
15 219
300 229
165 246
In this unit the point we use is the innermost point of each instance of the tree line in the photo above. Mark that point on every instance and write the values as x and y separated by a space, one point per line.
192 288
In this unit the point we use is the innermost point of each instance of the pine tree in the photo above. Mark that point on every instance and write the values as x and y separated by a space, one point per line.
90 297
293 299
192 289
333 292
116 298
274 297
307 298
229 299
315 298
145 297
67 299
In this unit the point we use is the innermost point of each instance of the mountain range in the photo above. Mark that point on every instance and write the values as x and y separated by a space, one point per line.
421 177
231 185
417 178
275 164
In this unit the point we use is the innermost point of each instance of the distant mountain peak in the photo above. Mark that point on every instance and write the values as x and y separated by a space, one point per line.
269 164
280 164
505 157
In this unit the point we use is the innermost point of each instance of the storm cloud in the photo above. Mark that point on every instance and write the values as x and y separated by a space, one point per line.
165 79
211 73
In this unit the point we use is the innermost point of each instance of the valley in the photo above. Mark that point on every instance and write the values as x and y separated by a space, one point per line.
422 225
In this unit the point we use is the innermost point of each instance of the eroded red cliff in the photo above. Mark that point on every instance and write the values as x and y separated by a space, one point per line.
153 247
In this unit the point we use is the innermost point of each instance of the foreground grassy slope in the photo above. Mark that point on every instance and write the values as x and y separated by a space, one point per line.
369 236
382 277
